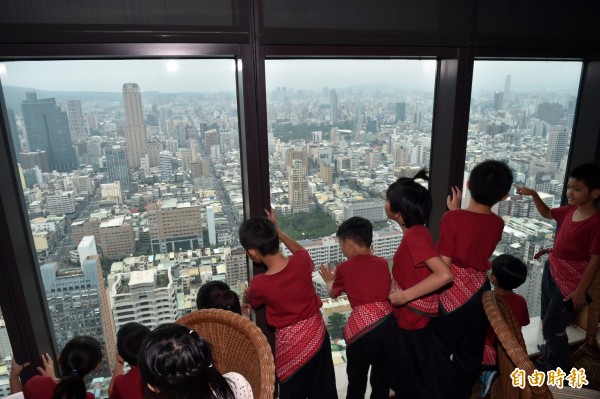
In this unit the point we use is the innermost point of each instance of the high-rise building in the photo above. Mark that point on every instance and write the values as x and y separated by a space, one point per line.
507 88
373 210
174 225
76 124
333 107
326 172
117 167
61 202
550 112
146 296
400 112
47 129
14 132
210 221
135 128
166 169
117 238
237 265
297 187
297 153
558 142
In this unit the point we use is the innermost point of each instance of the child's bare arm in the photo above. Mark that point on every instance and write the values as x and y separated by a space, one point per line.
328 276
578 296
539 204
440 276
14 381
288 241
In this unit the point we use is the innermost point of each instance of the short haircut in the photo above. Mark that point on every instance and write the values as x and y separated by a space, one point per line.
411 199
129 341
218 295
490 181
357 229
588 173
509 271
259 233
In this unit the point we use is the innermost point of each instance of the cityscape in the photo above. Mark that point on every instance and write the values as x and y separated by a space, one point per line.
135 197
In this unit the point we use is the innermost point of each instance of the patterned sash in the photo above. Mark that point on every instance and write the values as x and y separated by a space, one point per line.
489 354
296 344
364 318
566 273
466 283
427 306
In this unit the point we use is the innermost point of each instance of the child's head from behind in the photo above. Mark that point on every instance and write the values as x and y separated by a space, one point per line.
508 271
218 295
490 182
409 200
589 175
175 362
80 356
129 340
259 235
356 229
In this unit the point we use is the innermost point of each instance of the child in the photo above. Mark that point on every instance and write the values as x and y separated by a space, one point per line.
573 262
467 240
129 340
176 363
418 272
80 356
218 295
508 273
370 330
303 362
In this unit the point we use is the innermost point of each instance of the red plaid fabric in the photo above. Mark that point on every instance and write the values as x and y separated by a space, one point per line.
466 283
364 318
566 273
296 344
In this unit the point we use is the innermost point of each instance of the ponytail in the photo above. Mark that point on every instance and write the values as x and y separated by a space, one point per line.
71 387
422 174
80 355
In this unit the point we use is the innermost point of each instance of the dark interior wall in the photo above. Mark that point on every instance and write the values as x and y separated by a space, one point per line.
542 24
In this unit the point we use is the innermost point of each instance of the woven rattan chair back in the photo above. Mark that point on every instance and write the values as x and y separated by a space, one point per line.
238 345
511 351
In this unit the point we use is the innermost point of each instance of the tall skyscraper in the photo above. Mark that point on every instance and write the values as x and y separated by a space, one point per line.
117 167
76 124
297 187
558 141
14 132
333 106
210 221
135 128
47 129
400 112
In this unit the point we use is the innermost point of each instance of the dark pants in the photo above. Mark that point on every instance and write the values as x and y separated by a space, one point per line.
556 316
316 379
373 349
457 349
411 367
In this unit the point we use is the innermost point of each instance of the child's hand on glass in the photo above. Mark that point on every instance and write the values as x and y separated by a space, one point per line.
326 273
453 200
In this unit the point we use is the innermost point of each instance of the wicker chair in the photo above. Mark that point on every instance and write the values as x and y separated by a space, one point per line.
238 345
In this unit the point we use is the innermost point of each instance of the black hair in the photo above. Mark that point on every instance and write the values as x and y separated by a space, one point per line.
411 199
129 340
178 363
588 173
80 355
259 233
218 295
490 181
509 271
357 229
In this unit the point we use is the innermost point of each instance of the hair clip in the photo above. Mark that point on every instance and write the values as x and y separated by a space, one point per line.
210 365
191 331
74 372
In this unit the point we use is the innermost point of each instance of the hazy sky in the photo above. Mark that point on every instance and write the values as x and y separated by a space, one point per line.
210 75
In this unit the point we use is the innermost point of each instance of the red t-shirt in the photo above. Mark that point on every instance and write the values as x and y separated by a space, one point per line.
128 386
575 241
409 268
289 295
518 305
39 387
470 238
364 278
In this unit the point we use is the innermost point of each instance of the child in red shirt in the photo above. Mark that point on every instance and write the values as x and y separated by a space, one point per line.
370 330
129 341
418 273
303 362
466 242
573 262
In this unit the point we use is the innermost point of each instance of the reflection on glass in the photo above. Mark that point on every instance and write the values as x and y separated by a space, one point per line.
522 113
130 171
5 358
340 131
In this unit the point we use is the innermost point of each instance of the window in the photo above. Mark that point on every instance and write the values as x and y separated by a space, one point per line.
522 113
340 131
127 167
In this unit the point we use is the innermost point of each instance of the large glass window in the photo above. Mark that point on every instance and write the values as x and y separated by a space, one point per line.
5 358
522 113
340 131
130 171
